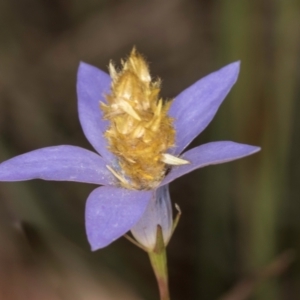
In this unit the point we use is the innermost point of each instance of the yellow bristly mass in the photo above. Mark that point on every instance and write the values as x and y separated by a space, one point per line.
140 130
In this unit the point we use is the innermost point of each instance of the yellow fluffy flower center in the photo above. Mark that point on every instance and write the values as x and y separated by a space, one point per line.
140 130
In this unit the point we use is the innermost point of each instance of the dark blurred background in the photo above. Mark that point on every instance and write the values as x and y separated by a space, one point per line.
239 236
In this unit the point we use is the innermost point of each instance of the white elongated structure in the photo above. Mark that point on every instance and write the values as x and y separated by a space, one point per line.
158 212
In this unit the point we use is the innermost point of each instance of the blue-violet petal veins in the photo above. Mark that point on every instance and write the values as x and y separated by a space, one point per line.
158 212
92 85
195 107
111 212
68 163
210 154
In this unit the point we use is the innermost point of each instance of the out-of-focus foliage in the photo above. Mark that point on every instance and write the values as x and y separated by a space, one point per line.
240 226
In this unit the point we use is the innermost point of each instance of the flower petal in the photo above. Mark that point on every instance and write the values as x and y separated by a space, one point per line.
68 163
92 85
195 107
158 212
210 154
111 212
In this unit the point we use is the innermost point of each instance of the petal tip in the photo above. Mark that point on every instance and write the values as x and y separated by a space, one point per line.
83 66
237 63
90 70
255 149
95 247
82 63
234 68
97 244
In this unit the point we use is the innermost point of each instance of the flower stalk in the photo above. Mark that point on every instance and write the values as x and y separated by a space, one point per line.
158 259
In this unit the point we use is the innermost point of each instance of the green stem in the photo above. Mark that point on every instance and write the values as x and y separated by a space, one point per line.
159 265
158 259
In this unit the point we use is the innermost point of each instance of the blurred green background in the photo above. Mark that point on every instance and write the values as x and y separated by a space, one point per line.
239 236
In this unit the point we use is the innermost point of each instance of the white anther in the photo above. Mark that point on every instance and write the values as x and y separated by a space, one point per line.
173 160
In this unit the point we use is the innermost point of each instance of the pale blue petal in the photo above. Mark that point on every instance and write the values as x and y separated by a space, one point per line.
195 107
61 163
209 154
92 85
158 212
111 212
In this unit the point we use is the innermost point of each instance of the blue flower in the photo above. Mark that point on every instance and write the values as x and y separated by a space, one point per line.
112 209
